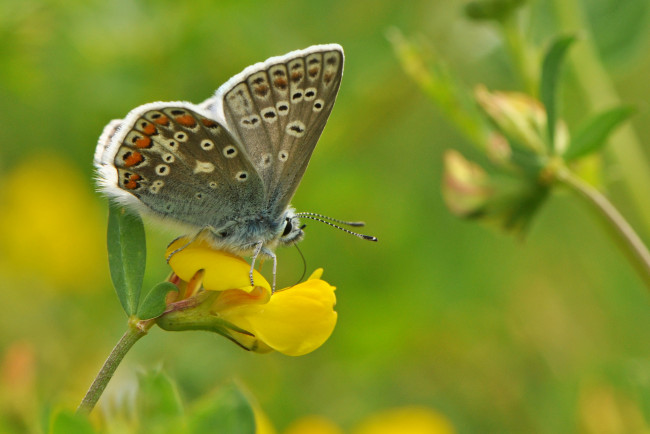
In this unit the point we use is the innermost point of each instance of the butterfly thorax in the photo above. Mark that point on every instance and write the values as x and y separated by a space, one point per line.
243 235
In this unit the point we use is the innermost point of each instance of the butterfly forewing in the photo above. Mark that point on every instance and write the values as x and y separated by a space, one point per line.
278 110
186 166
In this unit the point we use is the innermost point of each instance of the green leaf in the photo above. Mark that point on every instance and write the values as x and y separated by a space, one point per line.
158 404
67 422
126 255
592 135
548 84
153 303
227 411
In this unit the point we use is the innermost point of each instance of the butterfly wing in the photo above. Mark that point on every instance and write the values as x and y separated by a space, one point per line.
174 160
278 109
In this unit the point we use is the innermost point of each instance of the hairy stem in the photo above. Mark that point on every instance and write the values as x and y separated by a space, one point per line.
132 335
625 236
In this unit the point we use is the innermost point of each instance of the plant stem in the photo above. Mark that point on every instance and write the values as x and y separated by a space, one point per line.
600 93
626 237
132 335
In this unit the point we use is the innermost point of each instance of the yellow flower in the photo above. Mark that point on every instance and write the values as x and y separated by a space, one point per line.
294 320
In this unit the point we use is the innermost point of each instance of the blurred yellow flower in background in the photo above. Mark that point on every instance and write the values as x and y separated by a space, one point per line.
402 420
602 409
313 424
51 226
406 420
294 321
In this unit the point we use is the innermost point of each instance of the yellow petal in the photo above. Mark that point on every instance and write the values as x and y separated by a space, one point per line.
317 274
223 270
295 321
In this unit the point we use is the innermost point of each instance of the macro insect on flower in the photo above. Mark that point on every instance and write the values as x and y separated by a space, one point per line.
226 169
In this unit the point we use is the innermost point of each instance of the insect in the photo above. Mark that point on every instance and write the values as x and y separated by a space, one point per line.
226 169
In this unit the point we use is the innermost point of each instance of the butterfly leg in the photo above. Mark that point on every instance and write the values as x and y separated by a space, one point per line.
256 252
259 248
268 252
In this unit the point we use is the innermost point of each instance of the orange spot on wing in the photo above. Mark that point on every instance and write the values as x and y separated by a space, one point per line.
149 129
133 182
186 120
162 120
313 71
209 123
261 90
280 82
133 159
296 75
143 142
328 77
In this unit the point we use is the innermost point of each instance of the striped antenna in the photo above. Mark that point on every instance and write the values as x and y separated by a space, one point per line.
320 218
343 222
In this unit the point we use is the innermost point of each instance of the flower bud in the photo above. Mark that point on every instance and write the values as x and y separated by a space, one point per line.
518 117
465 187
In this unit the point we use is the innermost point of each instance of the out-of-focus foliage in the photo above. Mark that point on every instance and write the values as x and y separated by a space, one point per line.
496 335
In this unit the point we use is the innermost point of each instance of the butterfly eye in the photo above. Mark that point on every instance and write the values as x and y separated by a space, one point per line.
287 228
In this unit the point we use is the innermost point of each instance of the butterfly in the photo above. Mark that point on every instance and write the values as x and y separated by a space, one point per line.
227 169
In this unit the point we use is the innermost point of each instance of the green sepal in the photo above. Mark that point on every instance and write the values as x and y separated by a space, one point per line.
153 303
227 411
67 422
126 255
520 216
593 133
553 60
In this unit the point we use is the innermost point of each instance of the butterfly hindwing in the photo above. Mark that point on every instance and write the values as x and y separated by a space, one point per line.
278 109
184 165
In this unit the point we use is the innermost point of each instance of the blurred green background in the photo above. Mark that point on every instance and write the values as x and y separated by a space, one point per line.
543 335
